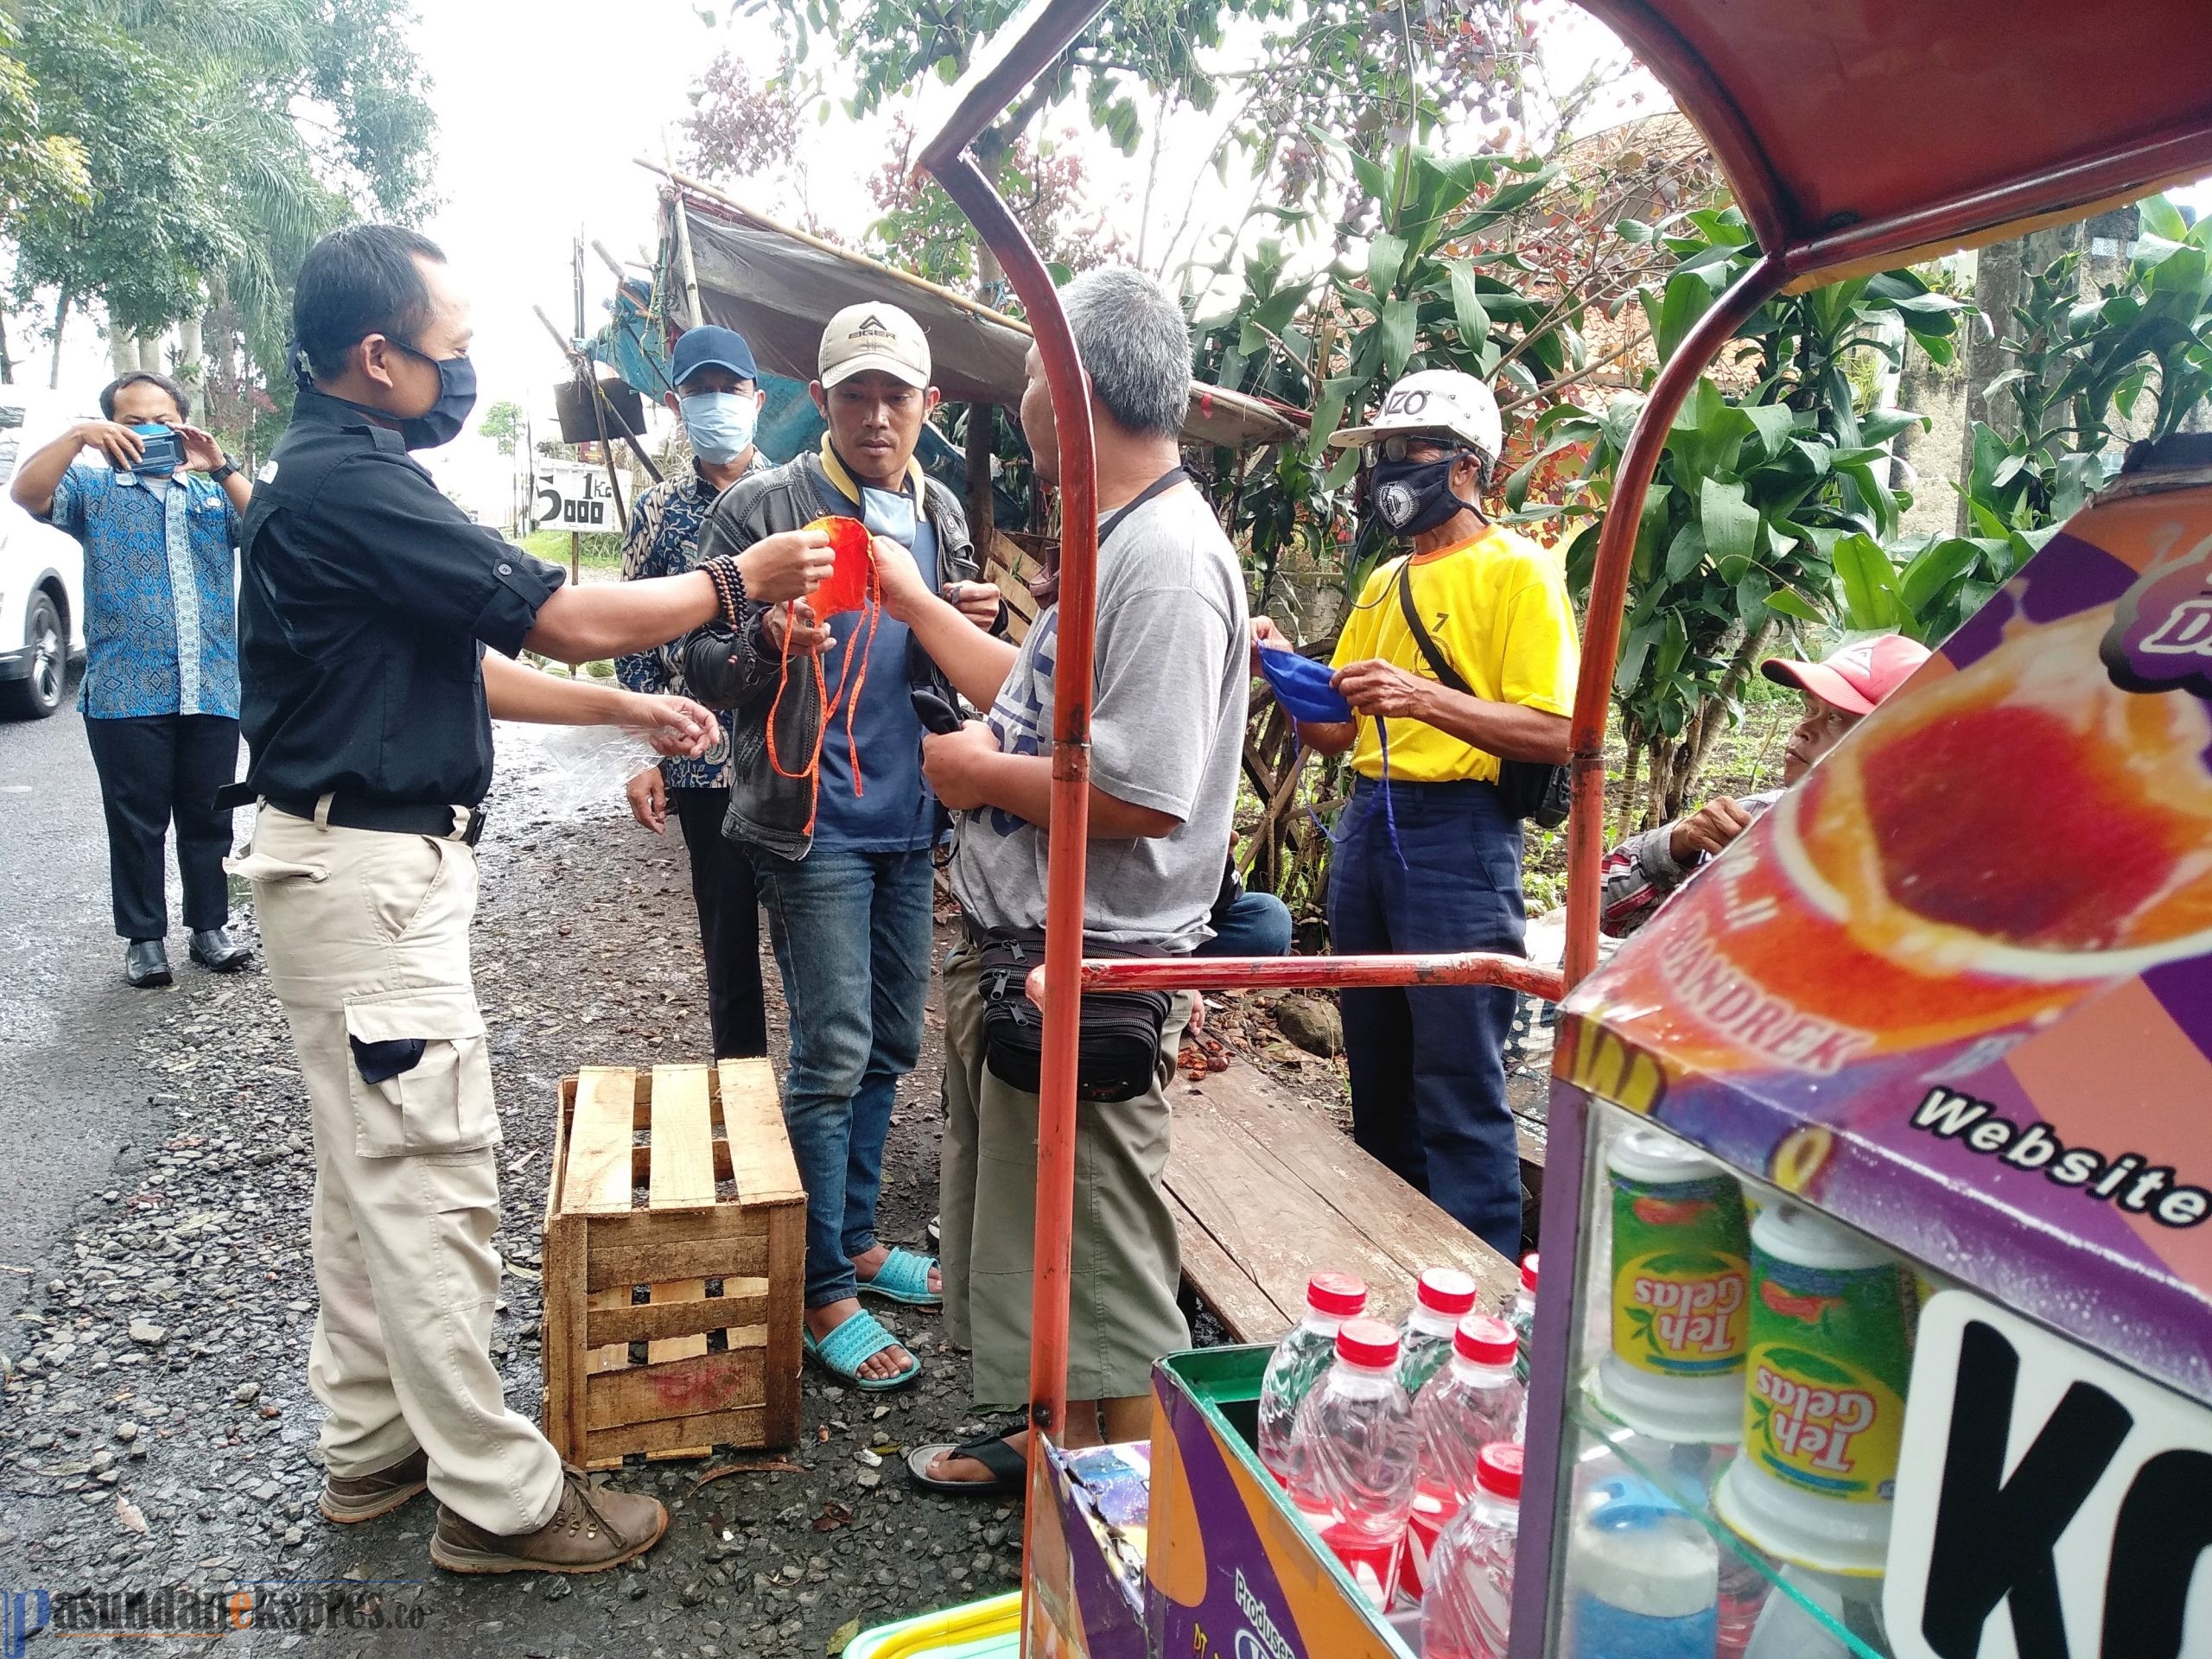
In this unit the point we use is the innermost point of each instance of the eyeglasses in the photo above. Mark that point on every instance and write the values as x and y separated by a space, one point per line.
1399 448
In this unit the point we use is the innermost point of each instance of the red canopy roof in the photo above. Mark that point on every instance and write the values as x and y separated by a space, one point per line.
1854 130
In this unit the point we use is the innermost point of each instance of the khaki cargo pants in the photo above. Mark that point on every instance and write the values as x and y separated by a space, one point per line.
1126 1263
366 935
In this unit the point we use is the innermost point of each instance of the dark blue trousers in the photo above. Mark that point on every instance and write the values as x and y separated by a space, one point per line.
1428 1062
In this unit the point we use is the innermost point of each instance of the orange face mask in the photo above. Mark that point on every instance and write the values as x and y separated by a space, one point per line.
852 579
851 586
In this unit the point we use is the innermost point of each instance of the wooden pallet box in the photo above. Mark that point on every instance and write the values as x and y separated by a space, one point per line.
674 1264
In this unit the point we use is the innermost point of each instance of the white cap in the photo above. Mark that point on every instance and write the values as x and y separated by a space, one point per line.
874 336
1443 401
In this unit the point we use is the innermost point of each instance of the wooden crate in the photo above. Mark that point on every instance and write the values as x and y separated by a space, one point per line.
638 1157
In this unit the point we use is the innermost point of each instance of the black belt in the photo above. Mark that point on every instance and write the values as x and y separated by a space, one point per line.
396 818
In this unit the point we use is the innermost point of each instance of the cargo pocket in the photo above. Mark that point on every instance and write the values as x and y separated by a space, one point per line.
420 1074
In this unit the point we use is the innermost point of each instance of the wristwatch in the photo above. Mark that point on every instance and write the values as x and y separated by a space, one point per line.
219 473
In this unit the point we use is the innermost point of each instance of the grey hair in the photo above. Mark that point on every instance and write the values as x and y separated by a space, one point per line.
1136 347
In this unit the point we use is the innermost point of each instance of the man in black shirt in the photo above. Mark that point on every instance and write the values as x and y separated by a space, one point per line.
378 629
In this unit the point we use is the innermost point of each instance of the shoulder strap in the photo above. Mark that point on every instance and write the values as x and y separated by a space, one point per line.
1166 480
1439 664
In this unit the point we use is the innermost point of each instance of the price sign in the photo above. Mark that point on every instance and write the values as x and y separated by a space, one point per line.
565 496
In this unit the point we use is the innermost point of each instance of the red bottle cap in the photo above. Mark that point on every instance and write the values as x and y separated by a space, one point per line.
1497 1469
1529 1271
1446 1290
1368 1342
1485 1339
1337 1295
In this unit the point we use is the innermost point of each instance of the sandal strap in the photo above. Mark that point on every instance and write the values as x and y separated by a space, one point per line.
995 1455
852 1343
904 1272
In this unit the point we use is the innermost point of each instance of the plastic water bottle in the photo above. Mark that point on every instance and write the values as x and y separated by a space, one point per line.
1353 1473
1468 1608
1645 1576
1521 1311
1300 1360
1443 1297
1474 1401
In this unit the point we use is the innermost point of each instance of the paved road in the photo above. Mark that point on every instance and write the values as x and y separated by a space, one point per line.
73 1099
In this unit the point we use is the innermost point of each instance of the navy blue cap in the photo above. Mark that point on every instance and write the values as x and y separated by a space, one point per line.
710 345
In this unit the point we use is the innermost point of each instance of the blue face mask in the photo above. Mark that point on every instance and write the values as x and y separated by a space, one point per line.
1303 686
719 423
886 514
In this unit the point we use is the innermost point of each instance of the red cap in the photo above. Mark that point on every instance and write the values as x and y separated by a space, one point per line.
1497 1469
1529 1271
1855 679
1368 1342
1337 1295
1446 1290
1486 1340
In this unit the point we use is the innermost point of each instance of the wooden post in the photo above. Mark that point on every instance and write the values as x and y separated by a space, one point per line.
983 421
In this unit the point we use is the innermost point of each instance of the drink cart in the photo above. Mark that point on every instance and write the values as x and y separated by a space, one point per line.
1884 1323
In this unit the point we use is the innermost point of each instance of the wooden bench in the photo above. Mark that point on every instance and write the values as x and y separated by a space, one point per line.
1267 1191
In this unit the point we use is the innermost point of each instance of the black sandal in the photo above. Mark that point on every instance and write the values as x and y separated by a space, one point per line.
1009 1468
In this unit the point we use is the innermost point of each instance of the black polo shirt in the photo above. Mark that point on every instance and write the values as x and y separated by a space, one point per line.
365 601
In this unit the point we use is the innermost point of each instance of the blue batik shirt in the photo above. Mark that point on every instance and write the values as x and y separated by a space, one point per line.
664 541
160 588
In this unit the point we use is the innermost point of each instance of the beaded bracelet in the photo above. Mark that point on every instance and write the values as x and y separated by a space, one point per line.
729 587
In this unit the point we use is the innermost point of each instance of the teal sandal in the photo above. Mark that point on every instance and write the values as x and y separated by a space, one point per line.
904 1277
851 1345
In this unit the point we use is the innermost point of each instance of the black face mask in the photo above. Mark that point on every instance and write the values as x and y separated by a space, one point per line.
442 424
1414 496
456 397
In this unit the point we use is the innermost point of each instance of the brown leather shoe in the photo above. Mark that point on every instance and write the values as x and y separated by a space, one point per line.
594 1529
348 1499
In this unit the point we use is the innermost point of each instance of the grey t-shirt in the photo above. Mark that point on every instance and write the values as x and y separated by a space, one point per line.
1168 732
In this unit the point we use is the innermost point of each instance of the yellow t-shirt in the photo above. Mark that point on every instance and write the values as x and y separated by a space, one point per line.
1497 607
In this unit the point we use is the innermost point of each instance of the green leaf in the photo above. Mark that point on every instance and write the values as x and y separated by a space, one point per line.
1399 318
1752 592
1869 580
1774 422
1789 602
1467 305
1634 649
1386 258
1342 469
1732 525
2161 217
1686 552
1932 570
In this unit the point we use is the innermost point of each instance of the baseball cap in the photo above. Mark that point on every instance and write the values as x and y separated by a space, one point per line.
1446 401
874 336
710 345
1855 679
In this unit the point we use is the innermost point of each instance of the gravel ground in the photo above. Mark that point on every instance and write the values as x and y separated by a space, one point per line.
158 1430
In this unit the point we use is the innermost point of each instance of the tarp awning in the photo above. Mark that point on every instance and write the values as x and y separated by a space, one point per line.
778 291
1854 130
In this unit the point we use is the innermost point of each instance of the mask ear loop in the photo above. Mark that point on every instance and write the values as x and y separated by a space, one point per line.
864 647
1389 816
811 769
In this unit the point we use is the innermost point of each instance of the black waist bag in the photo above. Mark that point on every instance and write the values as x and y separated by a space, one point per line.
1117 1051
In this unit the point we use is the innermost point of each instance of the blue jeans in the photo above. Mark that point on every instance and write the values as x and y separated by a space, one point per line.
851 933
1427 1063
1255 924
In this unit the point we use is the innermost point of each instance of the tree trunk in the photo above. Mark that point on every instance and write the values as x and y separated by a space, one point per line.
1632 736
61 320
149 353
7 359
122 348
188 354
1716 709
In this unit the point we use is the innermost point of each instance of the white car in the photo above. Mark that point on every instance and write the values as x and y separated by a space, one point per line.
41 570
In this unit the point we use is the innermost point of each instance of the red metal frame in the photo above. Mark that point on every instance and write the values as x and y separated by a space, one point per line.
965 183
